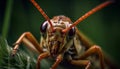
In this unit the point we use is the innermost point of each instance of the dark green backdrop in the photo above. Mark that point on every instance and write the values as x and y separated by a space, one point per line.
103 27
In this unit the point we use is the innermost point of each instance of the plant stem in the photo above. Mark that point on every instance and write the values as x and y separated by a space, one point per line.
7 16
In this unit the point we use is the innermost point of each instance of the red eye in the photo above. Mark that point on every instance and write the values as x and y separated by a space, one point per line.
71 32
43 27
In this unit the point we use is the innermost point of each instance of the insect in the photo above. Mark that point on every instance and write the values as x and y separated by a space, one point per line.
60 40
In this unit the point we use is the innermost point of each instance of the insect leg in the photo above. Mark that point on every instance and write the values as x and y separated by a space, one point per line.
58 60
81 63
28 39
92 50
40 57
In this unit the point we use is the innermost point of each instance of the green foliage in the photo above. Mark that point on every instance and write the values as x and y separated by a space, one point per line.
20 61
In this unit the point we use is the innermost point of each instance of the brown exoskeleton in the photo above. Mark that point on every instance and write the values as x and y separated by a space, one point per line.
60 39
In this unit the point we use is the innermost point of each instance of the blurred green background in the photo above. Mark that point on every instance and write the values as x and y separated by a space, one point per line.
103 27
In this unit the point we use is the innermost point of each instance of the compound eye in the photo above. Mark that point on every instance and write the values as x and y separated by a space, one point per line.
71 32
43 27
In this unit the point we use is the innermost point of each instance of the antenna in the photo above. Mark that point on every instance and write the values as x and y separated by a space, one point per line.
97 8
42 12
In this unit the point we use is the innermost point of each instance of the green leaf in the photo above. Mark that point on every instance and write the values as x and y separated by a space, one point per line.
20 61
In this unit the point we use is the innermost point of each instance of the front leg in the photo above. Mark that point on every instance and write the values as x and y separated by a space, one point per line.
30 41
92 50
40 57
85 63
58 60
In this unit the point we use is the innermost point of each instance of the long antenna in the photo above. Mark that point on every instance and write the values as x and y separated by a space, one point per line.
42 12
97 8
